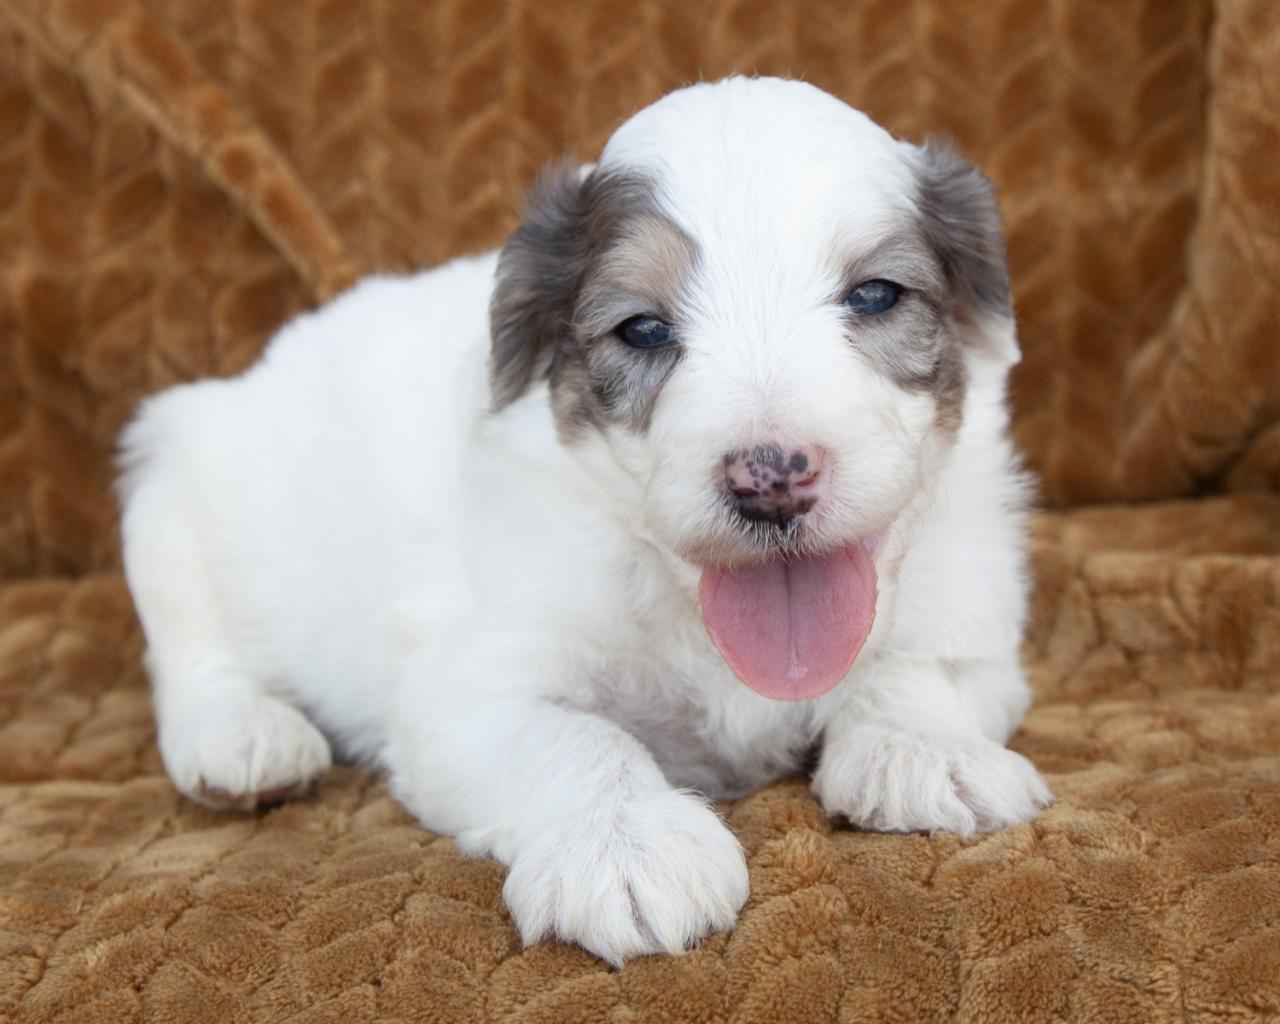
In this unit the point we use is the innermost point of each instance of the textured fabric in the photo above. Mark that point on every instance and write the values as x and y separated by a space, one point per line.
179 176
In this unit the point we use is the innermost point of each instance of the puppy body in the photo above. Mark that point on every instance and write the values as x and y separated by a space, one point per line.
348 545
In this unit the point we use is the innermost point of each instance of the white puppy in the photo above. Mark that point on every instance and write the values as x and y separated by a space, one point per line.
728 408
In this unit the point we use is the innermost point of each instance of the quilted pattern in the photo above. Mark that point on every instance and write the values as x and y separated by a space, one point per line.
179 176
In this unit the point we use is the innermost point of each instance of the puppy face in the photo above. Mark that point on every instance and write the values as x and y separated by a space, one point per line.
759 314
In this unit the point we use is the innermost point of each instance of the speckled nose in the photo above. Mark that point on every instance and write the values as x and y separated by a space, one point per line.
774 483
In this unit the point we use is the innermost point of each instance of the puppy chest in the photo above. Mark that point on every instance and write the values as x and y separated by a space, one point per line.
706 730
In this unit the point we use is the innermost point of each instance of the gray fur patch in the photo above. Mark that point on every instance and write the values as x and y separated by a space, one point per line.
961 221
588 256
641 271
952 262
912 342
537 278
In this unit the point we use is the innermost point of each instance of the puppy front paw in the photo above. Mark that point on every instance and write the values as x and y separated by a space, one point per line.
243 753
653 877
892 780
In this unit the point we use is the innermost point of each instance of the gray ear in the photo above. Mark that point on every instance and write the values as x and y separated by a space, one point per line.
961 221
539 269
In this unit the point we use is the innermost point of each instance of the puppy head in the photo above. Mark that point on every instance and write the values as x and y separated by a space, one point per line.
759 315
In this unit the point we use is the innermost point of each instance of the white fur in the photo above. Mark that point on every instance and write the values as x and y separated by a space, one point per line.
505 623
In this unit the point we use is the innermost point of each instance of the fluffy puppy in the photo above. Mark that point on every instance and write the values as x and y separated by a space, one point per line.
705 469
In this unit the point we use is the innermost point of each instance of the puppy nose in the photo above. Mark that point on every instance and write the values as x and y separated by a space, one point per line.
774 483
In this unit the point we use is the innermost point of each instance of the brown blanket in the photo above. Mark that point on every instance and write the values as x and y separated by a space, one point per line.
178 176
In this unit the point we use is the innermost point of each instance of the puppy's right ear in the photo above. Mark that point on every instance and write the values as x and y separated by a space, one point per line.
539 270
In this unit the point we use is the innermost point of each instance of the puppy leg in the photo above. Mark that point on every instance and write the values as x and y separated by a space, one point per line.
917 745
602 850
225 741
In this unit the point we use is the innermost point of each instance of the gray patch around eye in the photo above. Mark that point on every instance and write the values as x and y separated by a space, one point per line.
570 222
640 269
905 342
912 345
600 381
916 343
625 383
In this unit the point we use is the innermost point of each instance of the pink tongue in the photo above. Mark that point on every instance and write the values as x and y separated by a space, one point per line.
790 629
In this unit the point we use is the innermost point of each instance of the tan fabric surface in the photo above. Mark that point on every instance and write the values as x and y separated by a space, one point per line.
178 176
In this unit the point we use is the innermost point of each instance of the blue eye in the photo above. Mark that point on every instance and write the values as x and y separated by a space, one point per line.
644 332
872 297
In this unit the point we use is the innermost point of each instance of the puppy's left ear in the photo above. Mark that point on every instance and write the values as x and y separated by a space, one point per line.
539 269
961 220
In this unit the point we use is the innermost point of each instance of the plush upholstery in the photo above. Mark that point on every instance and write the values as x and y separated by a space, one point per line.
179 176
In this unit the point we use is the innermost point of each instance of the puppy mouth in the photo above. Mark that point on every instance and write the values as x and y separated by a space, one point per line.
791 626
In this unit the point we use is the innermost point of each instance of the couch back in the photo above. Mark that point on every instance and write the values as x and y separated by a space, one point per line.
179 176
